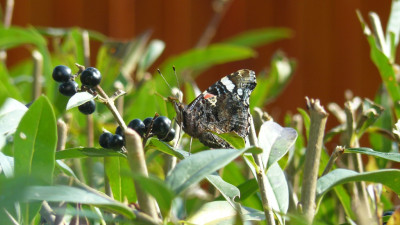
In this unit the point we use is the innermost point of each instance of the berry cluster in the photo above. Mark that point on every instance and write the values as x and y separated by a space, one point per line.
90 77
160 127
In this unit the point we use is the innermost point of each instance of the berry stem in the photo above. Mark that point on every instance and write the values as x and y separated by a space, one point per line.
111 106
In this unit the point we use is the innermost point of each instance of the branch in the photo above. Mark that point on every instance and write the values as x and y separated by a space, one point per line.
318 117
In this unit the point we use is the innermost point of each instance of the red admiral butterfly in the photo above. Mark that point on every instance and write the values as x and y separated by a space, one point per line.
222 108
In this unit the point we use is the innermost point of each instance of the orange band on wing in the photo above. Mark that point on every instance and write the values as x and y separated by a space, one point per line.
208 95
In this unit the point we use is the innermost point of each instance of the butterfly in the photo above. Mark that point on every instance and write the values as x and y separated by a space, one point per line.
222 108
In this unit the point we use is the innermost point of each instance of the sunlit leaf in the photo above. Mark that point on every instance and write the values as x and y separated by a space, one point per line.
388 177
76 195
392 156
82 152
79 99
196 167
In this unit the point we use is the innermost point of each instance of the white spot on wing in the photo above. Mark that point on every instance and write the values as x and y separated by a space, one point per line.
228 83
240 91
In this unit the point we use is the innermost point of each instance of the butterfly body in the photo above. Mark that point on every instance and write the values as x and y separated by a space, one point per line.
222 108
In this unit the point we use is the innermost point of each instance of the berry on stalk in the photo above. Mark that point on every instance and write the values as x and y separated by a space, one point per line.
91 77
138 126
168 137
62 74
68 88
88 107
116 142
161 126
105 139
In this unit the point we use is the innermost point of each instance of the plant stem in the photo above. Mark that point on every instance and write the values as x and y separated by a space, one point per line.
339 150
211 28
6 24
360 199
37 74
318 117
111 106
62 130
137 163
261 178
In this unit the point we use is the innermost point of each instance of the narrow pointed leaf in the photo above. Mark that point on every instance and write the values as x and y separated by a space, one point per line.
196 167
388 177
76 195
82 152
392 156
34 149
79 99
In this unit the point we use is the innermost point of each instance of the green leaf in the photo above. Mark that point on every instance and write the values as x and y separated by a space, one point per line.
35 142
82 152
275 141
220 212
154 143
278 191
157 188
306 120
367 151
196 167
393 26
229 191
7 86
153 51
10 115
79 99
34 148
77 195
255 38
120 179
202 58
248 188
388 177
273 83
371 111
15 36
345 199
386 71
233 139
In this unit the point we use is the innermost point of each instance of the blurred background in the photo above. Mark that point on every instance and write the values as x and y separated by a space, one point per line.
331 52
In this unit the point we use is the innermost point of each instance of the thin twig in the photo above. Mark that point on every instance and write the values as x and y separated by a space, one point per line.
62 130
7 23
339 150
37 74
212 27
361 203
318 117
261 177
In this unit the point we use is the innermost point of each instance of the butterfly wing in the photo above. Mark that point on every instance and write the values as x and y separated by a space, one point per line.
222 108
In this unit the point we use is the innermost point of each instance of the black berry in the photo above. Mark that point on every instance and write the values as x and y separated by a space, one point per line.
119 131
116 142
138 126
161 126
62 73
169 137
87 107
105 139
68 88
91 77
147 123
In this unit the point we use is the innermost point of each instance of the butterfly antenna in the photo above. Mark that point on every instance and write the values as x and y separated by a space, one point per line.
176 76
159 72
